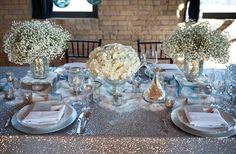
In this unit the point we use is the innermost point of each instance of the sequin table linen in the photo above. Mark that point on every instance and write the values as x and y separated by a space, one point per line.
134 131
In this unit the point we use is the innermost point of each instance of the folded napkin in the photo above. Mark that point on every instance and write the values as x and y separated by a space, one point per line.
206 119
45 116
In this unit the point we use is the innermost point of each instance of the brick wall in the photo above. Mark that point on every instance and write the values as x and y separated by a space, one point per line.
122 21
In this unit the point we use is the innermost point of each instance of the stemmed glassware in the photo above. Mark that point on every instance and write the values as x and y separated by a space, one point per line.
143 59
76 79
218 81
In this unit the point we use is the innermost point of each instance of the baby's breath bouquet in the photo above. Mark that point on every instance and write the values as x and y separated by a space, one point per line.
30 39
195 41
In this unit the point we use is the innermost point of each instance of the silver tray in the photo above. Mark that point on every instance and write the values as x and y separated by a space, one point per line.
178 117
67 119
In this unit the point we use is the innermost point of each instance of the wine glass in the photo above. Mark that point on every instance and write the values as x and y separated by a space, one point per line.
143 59
76 79
156 56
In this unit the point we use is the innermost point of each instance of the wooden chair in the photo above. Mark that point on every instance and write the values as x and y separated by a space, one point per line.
80 49
151 48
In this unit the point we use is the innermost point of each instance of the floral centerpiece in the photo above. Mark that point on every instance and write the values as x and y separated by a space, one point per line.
28 40
113 62
194 42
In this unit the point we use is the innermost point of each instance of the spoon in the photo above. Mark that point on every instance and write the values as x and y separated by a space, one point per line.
87 118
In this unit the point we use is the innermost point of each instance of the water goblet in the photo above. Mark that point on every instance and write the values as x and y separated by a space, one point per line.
144 63
156 56
76 79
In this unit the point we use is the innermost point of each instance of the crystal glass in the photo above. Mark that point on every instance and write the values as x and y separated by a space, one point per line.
143 60
26 96
10 76
116 94
76 79
9 92
193 69
40 68
136 83
115 84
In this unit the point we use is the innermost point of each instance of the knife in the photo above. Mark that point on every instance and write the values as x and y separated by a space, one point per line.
80 120
7 122
87 118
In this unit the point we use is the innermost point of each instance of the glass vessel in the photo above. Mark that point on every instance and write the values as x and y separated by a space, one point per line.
193 69
115 84
76 79
61 3
40 68
114 91
155 92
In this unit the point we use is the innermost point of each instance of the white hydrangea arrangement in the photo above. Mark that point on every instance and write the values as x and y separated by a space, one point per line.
30 39
113 62
195 41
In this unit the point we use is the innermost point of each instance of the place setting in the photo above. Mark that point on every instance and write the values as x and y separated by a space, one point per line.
205 121
43 117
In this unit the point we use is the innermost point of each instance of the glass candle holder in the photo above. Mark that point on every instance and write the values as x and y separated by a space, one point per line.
9 77
26 96
9 93
96 92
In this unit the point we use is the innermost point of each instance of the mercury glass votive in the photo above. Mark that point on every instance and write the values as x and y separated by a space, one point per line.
27 96
9 77
169 103
9 93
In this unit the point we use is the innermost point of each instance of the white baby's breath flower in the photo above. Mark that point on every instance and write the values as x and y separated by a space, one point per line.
196 41
113 62
30 39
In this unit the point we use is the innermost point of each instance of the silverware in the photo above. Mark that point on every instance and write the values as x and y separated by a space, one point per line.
10 114
87 118
164 118
7 122
80 120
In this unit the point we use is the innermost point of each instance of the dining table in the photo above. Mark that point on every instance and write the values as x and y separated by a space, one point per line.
136 126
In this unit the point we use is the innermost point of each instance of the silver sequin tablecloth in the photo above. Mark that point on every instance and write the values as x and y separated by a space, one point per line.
137 131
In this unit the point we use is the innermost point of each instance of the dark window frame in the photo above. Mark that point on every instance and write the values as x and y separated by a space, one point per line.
93 14
219 15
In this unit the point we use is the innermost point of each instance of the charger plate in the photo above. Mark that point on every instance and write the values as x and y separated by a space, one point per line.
179 118
67 119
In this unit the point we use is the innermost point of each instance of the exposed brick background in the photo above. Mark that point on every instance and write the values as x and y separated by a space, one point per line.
121 21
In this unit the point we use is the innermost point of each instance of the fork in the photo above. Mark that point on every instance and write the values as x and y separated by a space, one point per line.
164 118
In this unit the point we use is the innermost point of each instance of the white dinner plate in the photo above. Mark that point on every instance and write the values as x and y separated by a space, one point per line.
179 118
68 118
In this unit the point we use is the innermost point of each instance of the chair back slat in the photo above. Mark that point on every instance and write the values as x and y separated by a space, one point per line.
151 48
80 48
